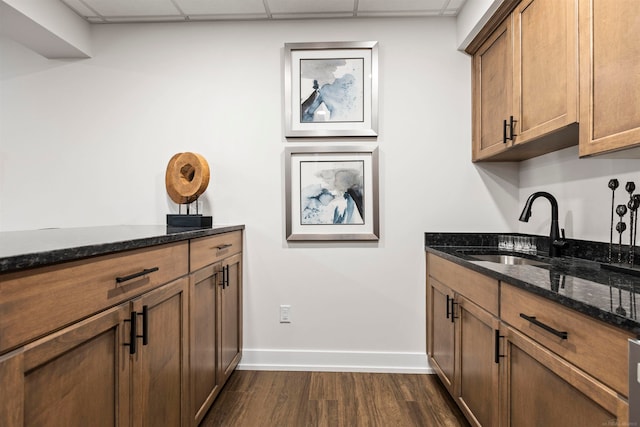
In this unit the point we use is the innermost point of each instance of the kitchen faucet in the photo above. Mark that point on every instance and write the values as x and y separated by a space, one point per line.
555 243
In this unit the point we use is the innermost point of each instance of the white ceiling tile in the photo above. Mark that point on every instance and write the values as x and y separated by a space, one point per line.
400 5
96 11
133 8
319 15
221 7
309 6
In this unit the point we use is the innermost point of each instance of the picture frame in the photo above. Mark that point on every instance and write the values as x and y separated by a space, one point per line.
331 89
332 193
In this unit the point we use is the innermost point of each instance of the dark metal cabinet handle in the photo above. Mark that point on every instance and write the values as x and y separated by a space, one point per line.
512 123
496 353
136 275
222 247
145 325
562 334
453 313
133 334
227 276
448 310
504 131
223 282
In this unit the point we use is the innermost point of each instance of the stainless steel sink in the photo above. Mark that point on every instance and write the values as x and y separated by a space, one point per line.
508 259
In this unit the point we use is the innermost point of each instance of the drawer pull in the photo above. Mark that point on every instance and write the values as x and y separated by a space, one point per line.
136 275
562 334
222 247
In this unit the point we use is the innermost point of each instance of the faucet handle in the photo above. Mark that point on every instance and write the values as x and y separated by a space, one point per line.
562 233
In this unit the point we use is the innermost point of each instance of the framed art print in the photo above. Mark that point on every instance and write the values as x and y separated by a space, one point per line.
331 89
331 193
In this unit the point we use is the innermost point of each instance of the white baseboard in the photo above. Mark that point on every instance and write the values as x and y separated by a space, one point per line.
334 361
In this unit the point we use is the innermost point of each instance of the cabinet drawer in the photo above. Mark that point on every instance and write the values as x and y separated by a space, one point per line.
36 302
207 250
595 347
480 289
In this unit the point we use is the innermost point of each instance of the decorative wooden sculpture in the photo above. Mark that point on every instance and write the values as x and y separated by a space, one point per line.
187 177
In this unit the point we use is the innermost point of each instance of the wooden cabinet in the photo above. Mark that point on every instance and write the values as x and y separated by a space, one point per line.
127 339
440 331
512 358
609 77
461 337
477 374
539 388
159 386
216 317
493 94
78 376
525 86
88 373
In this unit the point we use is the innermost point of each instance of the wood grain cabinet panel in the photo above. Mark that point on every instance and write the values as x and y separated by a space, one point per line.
161 366
609 77
441 332
461 337
477 373
78 376
540 388
492 93
215 319
525 83
594 346
502 369
31 301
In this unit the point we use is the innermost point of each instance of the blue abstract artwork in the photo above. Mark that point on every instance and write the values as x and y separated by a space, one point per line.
332 192
332 90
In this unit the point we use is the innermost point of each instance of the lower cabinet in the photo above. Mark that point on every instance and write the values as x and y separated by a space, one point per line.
461 338
441 332
477 374
90 374
541 389
136 338
505 370
215 323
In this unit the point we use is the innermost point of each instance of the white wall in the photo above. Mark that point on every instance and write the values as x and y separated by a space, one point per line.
580 185
86 142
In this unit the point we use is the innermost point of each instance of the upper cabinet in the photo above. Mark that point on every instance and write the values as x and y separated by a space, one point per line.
609 77
550 74
525 83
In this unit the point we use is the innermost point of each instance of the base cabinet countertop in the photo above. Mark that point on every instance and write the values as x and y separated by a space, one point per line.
98 323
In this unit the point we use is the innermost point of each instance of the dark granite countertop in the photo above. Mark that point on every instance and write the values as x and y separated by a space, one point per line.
575 282
35 248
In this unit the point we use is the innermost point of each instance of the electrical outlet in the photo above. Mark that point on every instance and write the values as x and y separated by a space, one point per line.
285 314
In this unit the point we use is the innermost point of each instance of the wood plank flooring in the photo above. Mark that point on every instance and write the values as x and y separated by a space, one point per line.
300 399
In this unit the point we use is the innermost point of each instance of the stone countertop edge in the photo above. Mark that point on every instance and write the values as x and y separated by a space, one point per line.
630 325
151 236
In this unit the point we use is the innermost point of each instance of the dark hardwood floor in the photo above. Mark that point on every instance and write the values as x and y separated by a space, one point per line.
299 399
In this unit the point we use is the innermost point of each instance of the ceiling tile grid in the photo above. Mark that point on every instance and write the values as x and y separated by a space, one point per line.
107 11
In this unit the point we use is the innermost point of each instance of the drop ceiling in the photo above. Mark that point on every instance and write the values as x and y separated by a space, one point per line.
112 11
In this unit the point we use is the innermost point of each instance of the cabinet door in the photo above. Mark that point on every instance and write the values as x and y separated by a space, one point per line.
541 389
545 67
230 312
441 330
609 76
477 368
203 345
78 376
160 367
492 92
